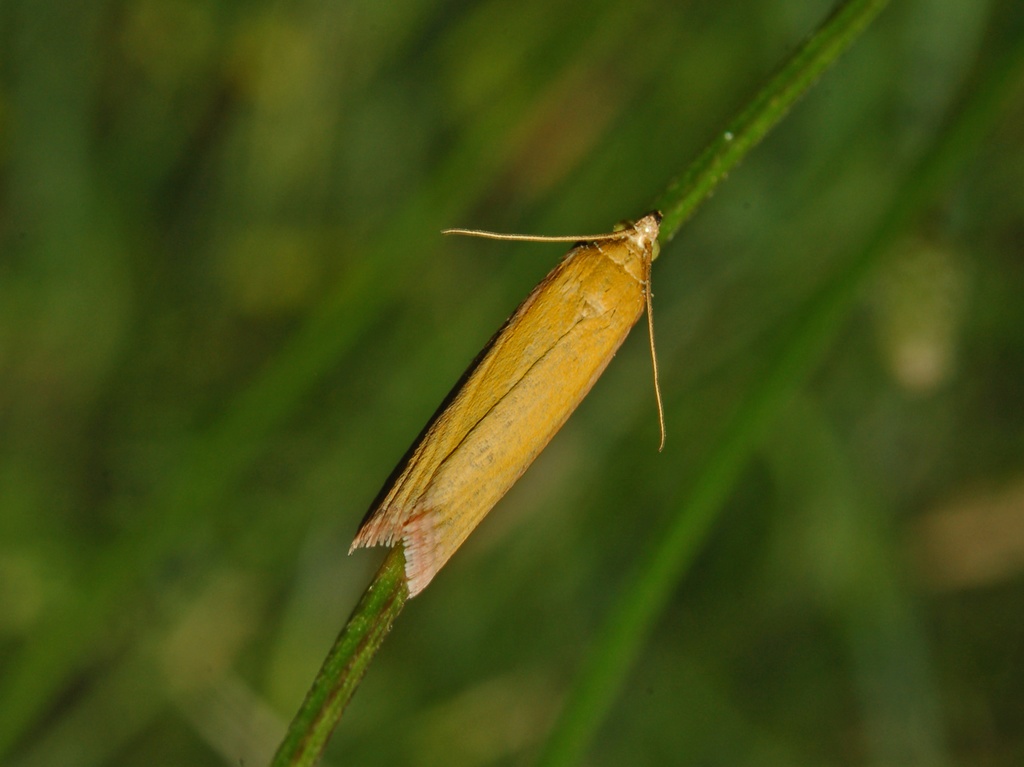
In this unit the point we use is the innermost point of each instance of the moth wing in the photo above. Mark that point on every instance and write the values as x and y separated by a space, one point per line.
488 378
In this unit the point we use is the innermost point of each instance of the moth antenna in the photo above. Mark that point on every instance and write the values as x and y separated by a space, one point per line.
535 237
654 358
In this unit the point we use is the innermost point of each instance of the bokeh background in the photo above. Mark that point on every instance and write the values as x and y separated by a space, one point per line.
226 310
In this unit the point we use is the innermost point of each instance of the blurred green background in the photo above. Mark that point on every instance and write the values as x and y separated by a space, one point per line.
226 311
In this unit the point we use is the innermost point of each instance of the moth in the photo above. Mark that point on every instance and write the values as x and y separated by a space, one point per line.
515 396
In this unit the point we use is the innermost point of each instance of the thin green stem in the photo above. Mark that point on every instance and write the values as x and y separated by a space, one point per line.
631 620
682 197
345 665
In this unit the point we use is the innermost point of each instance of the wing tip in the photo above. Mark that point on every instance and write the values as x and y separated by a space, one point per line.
372 534
422 558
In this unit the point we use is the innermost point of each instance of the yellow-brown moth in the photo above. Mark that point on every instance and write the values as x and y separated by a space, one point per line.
515 396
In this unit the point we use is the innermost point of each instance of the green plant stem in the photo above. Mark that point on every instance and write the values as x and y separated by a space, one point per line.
643 599
347 661
345 665
836 34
